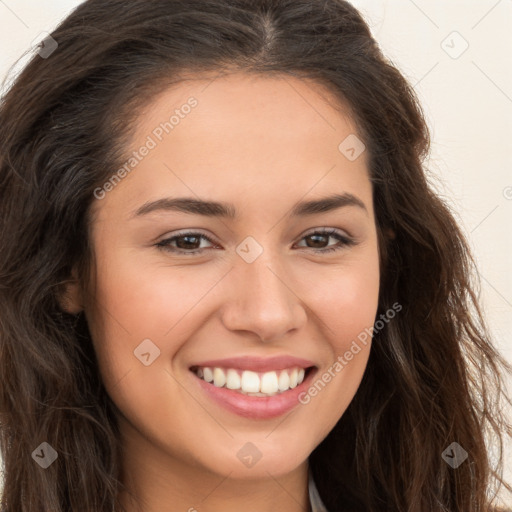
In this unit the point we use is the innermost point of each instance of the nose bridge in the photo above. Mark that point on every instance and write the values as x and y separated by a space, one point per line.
263 301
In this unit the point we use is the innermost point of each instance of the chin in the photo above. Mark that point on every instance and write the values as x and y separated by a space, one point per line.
246 460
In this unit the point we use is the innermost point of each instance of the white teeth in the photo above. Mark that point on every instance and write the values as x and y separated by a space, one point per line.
269 383
219 377
293 378
208 374
233 380
284 381
252 383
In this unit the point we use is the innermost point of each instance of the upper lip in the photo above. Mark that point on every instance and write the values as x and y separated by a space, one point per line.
257 364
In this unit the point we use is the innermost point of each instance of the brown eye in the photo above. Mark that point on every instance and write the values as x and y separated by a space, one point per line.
186 243
319 238
190 243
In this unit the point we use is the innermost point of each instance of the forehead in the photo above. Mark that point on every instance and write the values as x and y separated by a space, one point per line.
228 106
210 136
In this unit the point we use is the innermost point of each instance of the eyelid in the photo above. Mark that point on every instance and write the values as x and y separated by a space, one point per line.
327 230
344 240
312 231
187 232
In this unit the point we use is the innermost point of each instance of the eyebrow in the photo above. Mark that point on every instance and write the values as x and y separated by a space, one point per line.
227 210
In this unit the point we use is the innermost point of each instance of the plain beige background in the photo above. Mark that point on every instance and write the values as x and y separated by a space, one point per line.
457 54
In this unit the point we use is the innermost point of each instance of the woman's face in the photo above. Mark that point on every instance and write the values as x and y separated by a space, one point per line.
264 289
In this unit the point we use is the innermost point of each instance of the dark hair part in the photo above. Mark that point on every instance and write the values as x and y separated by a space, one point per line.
433 376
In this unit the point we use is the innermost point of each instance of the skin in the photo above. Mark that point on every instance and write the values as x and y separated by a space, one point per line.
262 144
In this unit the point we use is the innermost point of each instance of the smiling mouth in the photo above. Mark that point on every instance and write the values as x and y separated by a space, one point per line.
250 383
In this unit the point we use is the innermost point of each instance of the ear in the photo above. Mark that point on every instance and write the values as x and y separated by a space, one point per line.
70 295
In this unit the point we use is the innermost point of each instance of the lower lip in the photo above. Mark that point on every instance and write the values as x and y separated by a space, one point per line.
256 407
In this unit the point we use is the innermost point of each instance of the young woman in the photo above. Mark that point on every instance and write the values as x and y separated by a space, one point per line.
225 282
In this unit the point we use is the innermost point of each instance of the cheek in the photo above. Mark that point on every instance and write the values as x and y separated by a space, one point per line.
349 307
344 296
345 302
136 300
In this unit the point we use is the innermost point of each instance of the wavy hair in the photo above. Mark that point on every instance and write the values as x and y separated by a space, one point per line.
433 376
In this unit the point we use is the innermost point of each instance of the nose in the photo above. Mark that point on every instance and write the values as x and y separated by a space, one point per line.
261 300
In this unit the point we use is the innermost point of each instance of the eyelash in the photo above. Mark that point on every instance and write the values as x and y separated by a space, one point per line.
345 241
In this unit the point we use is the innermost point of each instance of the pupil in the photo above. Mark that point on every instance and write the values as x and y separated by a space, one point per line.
316 236
187 244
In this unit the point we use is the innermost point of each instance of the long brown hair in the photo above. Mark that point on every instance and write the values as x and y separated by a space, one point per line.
433 377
